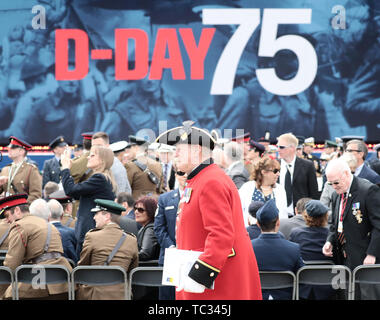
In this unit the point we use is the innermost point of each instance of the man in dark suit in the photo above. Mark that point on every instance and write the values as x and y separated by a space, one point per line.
298 175
233 155
164 228
360 151
166 155
354 236
273 252
51 169
69 241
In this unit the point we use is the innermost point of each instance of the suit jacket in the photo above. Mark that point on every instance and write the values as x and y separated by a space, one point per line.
51 171
287 225
96 187
239 174
361 238
304 182
274 253
165 221
149 249
97 246
26 242
69 242
369 174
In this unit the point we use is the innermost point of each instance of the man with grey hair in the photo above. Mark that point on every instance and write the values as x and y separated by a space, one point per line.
354 236
359 149
39 208
233 155
69 241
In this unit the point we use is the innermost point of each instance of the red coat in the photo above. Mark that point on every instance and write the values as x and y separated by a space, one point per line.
212 222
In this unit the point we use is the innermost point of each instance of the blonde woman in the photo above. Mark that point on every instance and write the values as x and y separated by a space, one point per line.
100 185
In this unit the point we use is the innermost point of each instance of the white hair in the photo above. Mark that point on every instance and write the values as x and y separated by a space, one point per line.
337 165
39 208
56 209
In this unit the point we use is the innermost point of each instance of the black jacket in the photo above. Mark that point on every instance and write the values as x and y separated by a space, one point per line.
147 243
363 237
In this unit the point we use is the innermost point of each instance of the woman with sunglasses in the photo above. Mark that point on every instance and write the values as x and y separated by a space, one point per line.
145 208
262 187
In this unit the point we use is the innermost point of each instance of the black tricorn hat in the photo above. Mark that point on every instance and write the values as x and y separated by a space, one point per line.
187 134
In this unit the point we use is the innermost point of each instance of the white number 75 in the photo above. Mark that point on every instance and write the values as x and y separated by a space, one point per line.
248 20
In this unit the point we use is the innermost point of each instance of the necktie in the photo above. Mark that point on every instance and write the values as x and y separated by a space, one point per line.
341 237
288 187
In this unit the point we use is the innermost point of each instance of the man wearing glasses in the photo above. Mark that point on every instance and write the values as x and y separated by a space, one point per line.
298 175
354 236
360 151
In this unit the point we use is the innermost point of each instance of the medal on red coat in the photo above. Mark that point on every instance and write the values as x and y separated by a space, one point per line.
187 194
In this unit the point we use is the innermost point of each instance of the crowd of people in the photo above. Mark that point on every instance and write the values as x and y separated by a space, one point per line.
128 201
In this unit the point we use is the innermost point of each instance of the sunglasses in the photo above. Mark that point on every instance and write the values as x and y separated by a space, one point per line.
141 210
275 171
282 147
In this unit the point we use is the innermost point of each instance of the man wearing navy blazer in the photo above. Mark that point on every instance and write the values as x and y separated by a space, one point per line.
360 151
273 252
302 176
164 228
51 169
69 241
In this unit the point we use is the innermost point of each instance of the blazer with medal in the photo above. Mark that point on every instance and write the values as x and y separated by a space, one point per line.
361 221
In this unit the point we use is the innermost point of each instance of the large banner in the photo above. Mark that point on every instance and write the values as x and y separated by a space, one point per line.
142 66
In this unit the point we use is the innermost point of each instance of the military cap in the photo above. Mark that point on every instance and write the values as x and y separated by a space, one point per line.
348 138
60 196
330 144
119 146
78 146
165 148
257 146
58 142
187 134
316 208
12 201
268 212
18 143
266 137
309 142
87 135
376 147
254 206
133 140
245 137
108 205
